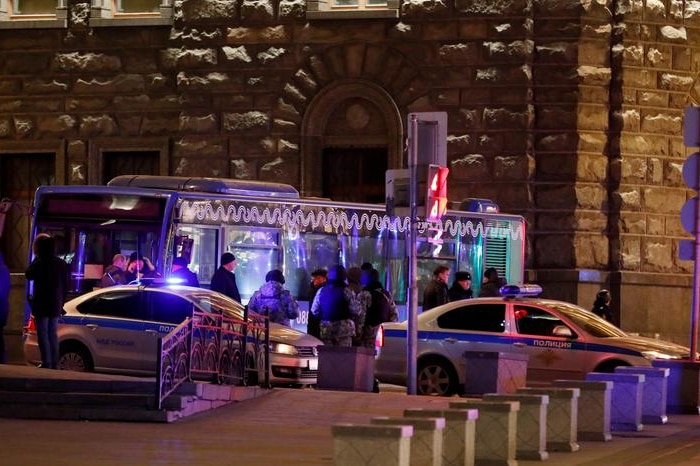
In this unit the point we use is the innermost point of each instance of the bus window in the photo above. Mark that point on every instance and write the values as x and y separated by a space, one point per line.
257 252
203 258
304 253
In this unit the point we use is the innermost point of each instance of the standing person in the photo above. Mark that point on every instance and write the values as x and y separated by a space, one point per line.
318 279
335 304
462 287
138 268
115 274
273 300
491 285
181 272
362 298
50 277
224 279
435 294
601 305
381 308
4 305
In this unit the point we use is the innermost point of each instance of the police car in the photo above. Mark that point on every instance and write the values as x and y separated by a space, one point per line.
116 330
562 341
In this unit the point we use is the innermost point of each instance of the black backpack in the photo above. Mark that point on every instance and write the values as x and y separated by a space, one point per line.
380 309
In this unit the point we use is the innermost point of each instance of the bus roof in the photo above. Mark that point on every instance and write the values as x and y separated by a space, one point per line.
207 185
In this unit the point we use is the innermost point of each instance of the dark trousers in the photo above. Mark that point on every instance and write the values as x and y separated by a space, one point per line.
47 335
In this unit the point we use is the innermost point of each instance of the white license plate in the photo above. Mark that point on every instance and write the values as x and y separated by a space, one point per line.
313 364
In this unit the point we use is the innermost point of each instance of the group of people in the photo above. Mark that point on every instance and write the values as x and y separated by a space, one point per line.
125 270
437 292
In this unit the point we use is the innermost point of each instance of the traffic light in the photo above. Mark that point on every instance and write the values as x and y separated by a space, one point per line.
436 195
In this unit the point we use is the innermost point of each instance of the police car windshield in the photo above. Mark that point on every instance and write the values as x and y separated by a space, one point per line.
588 321
217 304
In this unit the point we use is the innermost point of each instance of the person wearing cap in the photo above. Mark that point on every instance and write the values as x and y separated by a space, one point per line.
435 294
274 301
601 305
337 308
181 272
492 284
224 279
319 277
462 286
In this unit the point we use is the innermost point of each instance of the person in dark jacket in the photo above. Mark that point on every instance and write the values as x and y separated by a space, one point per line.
115 274
318 279
49 275
601 305
274 300
381 308
462 286
337 307
4 305
183 274
492 284
224 279
435 294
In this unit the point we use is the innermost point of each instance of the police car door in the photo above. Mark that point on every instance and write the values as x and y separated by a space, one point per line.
471 327
166 310
113 327
551 345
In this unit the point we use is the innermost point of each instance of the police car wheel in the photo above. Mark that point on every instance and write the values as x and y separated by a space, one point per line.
436 377
75 358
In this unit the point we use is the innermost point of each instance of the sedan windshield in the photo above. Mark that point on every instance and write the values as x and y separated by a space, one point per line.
591 323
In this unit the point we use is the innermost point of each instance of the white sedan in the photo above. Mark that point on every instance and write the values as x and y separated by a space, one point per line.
562 340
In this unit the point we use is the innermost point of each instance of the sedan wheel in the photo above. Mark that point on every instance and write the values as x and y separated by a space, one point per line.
75 360
436 378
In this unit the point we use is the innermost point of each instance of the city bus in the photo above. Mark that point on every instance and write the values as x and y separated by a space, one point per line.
266 226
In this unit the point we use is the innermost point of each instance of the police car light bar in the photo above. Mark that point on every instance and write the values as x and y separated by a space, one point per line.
521 290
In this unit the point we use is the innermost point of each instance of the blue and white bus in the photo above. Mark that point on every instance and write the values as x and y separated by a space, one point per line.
266 226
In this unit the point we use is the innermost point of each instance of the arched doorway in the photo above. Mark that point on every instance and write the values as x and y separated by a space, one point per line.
351 134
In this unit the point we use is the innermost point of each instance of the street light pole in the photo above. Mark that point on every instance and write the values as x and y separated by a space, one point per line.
412 295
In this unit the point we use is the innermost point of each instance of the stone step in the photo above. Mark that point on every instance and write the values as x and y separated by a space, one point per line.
85 413
135 400
18 384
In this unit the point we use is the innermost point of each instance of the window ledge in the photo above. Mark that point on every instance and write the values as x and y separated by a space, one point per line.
144 21
352 14
34 24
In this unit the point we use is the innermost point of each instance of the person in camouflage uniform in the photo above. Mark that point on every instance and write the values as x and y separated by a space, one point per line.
273 300
337 307
381 308
363 299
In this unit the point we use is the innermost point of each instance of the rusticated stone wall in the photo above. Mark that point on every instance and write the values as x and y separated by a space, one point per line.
568 112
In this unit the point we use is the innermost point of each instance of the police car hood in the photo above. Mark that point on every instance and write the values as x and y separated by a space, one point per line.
283 334
650 344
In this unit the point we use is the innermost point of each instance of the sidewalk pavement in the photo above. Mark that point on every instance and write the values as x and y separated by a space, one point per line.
292 427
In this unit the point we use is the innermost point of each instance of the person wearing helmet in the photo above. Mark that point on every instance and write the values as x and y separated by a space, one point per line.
601 305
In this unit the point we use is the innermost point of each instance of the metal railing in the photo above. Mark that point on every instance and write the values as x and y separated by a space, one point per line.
213 347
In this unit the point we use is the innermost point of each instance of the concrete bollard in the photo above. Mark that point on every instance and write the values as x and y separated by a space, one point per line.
626 405
496 430
593 408
654 392
562 417
458 436
371 445
426 443
531 437
492 372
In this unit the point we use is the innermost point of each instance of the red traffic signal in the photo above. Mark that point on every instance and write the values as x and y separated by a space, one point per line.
436 196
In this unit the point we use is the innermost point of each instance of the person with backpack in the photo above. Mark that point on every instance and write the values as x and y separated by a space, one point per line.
273 300
381 308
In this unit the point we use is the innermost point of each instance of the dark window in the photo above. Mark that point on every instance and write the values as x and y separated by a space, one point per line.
535 321
477 317
129 163
170 308
354 174
122 304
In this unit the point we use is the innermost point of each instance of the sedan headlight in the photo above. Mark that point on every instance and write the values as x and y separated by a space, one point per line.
652 355
283 348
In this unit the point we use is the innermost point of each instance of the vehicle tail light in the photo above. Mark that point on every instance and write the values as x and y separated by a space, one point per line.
30 327
379 339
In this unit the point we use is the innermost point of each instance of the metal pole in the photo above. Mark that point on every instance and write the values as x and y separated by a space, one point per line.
412 304
695 311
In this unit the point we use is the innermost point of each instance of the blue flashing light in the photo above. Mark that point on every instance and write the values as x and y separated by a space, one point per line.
175 281
521 290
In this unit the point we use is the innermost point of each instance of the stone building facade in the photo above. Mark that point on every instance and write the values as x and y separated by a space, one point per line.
568 112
